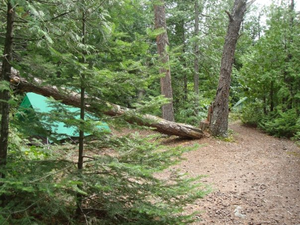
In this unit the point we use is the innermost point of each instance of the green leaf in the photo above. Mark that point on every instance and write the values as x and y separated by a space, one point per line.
4 86
154 33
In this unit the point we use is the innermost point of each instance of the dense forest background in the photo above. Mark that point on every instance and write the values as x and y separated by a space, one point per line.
107 50
123 61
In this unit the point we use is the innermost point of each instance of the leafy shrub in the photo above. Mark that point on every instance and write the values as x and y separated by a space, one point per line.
281 124
190 113
30 191
252 113
297 138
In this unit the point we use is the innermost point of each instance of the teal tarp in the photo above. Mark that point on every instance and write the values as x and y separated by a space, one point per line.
38 108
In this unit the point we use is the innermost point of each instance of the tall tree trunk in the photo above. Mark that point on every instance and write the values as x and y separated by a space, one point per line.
272 103
265 105
295 84
5 94
219 121
292 9
185 77
82 98
288 78
82 115
162 42
196 53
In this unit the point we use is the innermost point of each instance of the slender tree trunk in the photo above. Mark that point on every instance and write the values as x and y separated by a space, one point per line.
185 87
265 105
295 85
5 76
219 121
162 43
82 115
82 100
288 78
272 96
292 9
185 77
196 53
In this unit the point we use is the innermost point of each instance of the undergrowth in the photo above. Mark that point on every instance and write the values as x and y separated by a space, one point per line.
280 122
118 184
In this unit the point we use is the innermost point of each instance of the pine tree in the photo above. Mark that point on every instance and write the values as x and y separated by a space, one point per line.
5 78
162 43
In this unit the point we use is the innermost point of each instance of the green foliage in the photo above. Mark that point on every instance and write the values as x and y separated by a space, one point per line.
130 192
269 75
252 113
189 114
213 23
120 184
229 138
152 105
278 123
29 190
281 124
4 86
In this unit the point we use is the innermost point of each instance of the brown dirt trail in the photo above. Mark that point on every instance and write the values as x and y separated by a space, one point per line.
255 178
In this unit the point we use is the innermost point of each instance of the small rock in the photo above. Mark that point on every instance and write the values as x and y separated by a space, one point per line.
237 212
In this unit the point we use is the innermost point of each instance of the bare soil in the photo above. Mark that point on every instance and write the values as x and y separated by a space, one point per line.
255 178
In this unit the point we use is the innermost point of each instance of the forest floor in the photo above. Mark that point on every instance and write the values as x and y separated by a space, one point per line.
255 178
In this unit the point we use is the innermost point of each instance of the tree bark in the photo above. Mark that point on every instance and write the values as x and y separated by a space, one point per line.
79 196
82 99
5 94
219 121
183 60
162 42
196 53
92 105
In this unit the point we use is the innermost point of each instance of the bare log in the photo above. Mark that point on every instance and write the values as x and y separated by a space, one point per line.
71 98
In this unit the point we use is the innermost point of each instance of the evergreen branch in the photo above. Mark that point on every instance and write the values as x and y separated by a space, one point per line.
21 20
23 210
239 36
24 39
56 17
46 2
53 173
89 157
204 15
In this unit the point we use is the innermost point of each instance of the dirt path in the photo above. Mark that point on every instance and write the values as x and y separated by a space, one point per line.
255 179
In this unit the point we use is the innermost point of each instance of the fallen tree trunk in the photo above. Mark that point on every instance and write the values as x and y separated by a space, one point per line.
71 98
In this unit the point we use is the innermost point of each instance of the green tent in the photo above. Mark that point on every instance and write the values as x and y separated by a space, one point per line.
34 114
